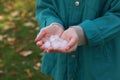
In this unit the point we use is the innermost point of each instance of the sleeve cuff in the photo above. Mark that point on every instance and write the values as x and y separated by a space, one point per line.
53 20
92 33
80 33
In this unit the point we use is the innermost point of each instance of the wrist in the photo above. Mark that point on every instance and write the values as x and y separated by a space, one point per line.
81 35
57 25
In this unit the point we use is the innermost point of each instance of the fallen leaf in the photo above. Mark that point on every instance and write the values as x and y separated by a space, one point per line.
1 54
14 73
30 14
1 59
1 37
41 54
29 24
23 14
5 35
9 25
1 65
11 40
9 6
34 60
33 18
29 73
27 70
26 53
37 66
15 13
37 28
13 64
20 48
1 72
2 18
10 18
23 62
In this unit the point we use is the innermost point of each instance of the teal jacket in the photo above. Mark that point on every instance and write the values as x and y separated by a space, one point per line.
100 20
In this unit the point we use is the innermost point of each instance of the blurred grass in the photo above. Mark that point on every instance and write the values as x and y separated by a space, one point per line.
18 28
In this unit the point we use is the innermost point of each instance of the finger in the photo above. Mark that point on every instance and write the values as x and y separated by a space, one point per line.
43 48
71 49
71 43
63 36
48 50
61 50
40 35
39 43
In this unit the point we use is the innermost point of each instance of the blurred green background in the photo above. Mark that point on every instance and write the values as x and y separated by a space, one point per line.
20 58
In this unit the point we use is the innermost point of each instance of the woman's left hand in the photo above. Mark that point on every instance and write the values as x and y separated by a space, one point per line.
71 36
73 40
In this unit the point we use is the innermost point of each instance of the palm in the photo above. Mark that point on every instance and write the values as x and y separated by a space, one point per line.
71 37
53 31
47 32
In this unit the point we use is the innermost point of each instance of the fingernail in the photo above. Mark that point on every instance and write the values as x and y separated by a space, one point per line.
35 40
37 44
67 48
47 51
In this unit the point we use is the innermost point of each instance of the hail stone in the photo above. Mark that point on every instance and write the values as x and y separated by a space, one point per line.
47 44
55 42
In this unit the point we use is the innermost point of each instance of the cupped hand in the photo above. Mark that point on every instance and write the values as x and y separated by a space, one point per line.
70 35
73 40
45 33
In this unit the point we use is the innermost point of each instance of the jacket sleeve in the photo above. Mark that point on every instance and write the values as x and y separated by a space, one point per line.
105 28
45 13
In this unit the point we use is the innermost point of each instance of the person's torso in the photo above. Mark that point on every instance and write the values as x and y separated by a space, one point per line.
73 12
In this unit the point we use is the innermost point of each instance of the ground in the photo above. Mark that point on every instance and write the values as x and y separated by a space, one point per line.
20 58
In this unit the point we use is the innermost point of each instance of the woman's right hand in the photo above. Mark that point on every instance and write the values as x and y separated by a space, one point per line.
45 33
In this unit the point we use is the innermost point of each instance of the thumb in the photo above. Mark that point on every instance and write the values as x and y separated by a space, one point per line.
40 35
71 43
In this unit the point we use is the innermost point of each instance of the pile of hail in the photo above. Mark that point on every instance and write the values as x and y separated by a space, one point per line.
55 41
